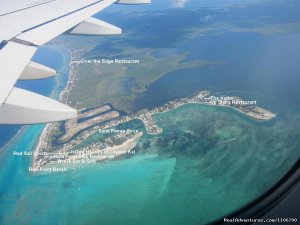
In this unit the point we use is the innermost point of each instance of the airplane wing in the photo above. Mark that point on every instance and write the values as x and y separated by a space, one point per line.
24 26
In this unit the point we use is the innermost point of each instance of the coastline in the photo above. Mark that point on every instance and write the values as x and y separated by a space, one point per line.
194 100
220 106
248 108
38 144
61 97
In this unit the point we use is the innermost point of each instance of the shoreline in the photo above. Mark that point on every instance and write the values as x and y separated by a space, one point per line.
218 106
60 95
88 157
146 117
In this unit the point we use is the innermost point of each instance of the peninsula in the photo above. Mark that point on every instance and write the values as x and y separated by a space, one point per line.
65 144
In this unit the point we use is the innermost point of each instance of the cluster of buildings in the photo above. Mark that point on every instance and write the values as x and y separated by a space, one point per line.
247 107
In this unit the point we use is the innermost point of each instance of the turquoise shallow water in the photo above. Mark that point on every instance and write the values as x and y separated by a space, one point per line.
189 174
13 170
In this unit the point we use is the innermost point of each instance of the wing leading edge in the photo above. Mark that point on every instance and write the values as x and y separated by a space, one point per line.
22 31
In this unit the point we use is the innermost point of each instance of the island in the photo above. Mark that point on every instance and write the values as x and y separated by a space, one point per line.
64 143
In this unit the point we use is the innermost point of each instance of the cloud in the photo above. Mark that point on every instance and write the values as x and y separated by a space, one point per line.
179 3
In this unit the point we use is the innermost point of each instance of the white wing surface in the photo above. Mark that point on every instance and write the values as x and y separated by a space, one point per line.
24 26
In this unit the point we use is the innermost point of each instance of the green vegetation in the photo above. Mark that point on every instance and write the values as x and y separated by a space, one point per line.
120 84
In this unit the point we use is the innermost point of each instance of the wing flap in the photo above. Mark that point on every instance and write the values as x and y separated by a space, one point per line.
35 71
14 58
24 19
25 107
93 26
